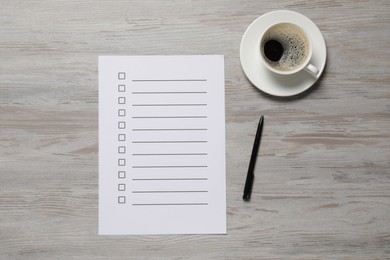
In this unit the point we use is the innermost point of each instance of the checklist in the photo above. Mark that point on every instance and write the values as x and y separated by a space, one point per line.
162 145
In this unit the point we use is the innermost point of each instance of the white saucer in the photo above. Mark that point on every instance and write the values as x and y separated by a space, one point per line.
268 81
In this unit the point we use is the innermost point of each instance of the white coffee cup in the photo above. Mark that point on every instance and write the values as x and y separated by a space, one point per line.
286 49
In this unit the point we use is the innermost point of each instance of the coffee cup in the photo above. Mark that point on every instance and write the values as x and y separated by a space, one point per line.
287 49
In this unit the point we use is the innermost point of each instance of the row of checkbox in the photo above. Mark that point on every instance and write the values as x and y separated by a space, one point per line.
121 138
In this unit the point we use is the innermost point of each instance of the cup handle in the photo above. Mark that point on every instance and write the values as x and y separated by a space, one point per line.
312 70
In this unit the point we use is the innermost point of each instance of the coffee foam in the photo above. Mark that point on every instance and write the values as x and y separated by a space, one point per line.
295 45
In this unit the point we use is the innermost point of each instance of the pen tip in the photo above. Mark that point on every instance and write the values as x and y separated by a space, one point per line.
246 197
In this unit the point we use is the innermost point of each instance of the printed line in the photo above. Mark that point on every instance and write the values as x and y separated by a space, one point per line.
167 142
172 179
169 166
169 154
170 204
164 80
167 105
169 129
152 117
168 92
169 191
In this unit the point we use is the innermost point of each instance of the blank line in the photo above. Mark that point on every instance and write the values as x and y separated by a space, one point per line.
166 142
168 166
169 129
162 80
166 105
170 191
173 154
170 204
169 92
173 179
151 117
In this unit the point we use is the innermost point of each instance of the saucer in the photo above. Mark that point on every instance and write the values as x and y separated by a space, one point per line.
268 81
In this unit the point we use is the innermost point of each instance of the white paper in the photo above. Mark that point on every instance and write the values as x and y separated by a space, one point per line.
162 145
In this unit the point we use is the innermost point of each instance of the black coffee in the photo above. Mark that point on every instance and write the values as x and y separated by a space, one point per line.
273 50
285 47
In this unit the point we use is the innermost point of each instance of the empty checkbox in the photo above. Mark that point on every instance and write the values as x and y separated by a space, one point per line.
121 199
121 137
122 149
121 75
121 88
122 125
121 100
121 174
121 112
121 187
121 162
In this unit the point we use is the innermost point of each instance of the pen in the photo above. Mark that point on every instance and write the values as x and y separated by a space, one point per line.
250 175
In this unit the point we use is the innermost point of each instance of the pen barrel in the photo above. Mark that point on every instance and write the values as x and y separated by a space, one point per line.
255 148
248 186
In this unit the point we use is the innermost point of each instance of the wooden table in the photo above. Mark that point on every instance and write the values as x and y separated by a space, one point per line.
322 187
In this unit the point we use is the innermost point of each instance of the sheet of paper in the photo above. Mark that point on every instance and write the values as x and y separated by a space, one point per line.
162 145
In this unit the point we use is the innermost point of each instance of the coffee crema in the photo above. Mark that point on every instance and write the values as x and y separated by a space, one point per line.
285 47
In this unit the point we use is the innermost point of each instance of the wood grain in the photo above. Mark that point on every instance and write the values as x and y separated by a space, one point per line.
322 186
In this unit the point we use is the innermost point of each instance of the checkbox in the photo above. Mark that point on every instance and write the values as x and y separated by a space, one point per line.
121 75
121 174
122 149
121 88
121 125
121 137
121 112
121 187
121 199
121 100
121 162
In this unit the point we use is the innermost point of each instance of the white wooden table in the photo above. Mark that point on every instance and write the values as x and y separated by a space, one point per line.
322 187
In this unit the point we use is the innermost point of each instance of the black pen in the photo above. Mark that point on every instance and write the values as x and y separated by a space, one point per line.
250 175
